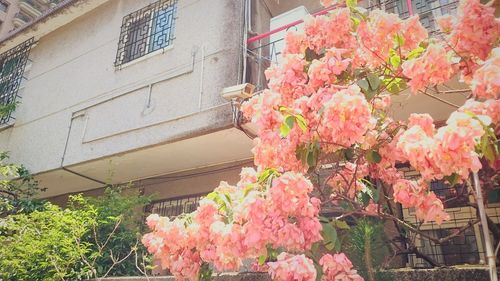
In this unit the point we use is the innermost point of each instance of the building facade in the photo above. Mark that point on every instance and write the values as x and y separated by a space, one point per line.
121 91
118 91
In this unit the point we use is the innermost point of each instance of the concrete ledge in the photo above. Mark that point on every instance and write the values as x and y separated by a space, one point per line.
404 274
466 273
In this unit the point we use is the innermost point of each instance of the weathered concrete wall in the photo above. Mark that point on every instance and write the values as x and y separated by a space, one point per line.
73 82
407 274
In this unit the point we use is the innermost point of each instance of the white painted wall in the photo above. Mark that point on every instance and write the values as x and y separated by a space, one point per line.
73 83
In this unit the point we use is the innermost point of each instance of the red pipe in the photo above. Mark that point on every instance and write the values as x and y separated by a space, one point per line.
284 27
410 7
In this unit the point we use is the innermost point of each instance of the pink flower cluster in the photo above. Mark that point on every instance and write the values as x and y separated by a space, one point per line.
346 118
376 37
450 150
290 267
412 194
430 69
476 29
488 108
238 223
173 244
325 70
338 267
486 81
341 182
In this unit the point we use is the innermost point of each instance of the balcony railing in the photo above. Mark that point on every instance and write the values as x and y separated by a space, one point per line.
31 8
262 52
173 207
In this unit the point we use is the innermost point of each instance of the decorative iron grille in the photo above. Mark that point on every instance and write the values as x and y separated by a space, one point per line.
466 247
428 10
174 207
146 30
12 64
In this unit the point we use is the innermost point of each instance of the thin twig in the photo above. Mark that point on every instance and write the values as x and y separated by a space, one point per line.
439 99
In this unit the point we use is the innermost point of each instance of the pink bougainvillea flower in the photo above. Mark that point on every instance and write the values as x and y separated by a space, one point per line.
290 267
338 267
485 82
476 29
430 69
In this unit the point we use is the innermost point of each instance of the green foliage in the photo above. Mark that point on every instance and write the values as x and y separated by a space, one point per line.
17 189
6 109
119 222
367 248
92 237
41 245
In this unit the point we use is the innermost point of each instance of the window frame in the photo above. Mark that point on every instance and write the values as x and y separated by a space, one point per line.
139 35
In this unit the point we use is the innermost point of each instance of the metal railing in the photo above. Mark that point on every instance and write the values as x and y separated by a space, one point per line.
261 52
173 207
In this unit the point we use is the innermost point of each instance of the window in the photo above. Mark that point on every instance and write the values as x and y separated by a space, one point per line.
12 64
452 196
146 30
4 6
459 250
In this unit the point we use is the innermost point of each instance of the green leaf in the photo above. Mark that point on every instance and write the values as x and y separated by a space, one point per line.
375 195
399 40
290 121
363 84
374 81
373 157
364 198
415 53
452 179
324 219
301 121
284 130
395 85
310 159
247 189
355 21
338 246
262 259
266 174
369 94
329 234
488 149
395 61
341 224
351 3
349 154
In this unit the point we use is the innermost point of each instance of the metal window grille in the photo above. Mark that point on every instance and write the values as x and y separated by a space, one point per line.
174 207
12 64
146 30
466 246
4 6
428 10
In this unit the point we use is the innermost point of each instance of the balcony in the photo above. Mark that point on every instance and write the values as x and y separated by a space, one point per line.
265 48
31 8
21 19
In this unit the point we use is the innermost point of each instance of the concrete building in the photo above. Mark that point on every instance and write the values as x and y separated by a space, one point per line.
117 91
120 91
